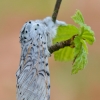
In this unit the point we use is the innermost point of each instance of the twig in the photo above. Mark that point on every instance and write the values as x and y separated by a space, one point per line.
62 44
56 9
59 45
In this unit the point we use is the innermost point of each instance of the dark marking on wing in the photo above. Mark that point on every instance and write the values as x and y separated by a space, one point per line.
23 30
46 64
37 24
30 22
41 74
48 86
48 73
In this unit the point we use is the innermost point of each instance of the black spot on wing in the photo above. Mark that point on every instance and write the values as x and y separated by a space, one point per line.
33 44
37 24
23 30
39 34
24 41
25 38
46 64
41 74
26 31
48 73
44 42
18 77
43 71
48 87
37 46
43 62
30 22
18 86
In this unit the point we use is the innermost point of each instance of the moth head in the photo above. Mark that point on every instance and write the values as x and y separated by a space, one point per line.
48 22
31 30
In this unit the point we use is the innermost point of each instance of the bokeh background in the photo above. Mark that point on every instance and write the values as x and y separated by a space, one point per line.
13 13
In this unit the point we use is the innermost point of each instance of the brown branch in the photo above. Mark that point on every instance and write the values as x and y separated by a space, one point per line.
62 44
56 9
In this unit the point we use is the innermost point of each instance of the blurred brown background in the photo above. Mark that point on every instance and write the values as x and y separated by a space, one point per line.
13 13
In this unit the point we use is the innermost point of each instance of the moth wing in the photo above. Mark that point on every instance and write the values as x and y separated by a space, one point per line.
32 80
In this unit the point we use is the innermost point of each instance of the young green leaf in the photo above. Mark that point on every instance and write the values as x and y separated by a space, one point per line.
77 46
65 54
84 45
65 33
81 35
80 55
88 37
78 18
80 61
88 34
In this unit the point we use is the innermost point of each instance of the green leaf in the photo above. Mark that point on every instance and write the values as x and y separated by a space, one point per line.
65 54
84 45
87 28
88 37
77 42
88 34
82 35
80 61
80 55
65 33
78 18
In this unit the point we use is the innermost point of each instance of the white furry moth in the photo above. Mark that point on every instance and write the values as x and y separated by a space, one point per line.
33 77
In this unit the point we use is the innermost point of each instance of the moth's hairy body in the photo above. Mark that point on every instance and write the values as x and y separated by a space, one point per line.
33 77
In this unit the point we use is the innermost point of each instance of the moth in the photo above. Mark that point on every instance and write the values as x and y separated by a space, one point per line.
33 76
